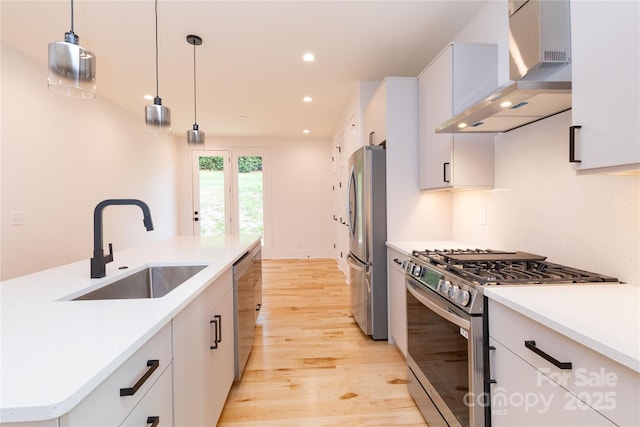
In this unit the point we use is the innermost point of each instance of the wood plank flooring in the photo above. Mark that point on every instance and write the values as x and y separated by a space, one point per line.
311 365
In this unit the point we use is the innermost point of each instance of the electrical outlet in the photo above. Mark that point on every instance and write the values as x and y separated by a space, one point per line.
16 218
483 216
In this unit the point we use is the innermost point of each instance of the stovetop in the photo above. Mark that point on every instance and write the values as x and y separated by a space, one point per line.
490 267
459 275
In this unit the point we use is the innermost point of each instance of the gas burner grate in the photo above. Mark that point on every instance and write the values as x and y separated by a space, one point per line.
489 267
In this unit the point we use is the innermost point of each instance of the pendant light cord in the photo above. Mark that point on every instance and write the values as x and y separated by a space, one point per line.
157 90
72 16
195 104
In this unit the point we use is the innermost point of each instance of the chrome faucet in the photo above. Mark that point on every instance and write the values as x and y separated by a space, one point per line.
100 260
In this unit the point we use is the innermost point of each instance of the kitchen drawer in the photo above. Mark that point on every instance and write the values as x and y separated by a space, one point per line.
155 406
603 384
187 322
104 406
519 398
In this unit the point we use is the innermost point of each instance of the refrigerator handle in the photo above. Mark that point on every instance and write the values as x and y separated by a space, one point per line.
353 263
351 208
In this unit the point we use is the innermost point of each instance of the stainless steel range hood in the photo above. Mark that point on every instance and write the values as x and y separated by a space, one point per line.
539 52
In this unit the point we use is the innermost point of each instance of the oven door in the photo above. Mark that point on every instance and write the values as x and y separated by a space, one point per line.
445 355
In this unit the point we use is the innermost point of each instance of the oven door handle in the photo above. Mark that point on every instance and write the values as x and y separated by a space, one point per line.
448 315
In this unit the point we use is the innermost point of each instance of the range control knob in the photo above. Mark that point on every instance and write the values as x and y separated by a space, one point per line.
417 270
444 286
407 266
453 292
463 298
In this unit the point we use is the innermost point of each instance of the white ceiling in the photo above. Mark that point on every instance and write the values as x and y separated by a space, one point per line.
250 62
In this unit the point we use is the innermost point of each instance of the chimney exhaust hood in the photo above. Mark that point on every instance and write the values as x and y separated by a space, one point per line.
539 52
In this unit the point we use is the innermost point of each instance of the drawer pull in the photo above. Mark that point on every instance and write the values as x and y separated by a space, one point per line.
154 421
397 261
531 345
130 391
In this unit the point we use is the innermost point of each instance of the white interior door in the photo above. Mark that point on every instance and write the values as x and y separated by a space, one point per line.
212 211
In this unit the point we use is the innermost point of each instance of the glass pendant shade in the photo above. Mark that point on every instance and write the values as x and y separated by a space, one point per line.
195 136
72 68
157 117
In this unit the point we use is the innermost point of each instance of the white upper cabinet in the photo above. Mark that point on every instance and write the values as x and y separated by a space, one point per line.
606 84
375 118
462 74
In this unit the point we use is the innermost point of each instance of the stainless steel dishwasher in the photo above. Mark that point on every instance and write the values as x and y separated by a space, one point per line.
247 297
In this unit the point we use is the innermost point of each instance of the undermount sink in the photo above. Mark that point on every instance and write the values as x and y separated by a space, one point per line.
151 282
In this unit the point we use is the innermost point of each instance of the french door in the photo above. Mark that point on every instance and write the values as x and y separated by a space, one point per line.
228 192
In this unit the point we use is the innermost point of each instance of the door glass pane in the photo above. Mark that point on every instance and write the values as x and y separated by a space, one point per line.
212 191
250 196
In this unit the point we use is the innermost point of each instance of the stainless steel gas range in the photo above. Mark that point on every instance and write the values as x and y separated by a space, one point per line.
447 325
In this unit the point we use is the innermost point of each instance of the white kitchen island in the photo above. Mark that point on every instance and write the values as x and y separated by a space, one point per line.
55 351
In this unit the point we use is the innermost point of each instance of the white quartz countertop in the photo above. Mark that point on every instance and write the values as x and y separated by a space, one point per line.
54 352
604 318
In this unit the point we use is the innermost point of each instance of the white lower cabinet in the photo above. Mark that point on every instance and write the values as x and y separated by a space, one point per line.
107 406
397 299
545 378
203 368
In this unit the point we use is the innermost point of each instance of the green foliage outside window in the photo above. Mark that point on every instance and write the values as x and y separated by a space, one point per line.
245 163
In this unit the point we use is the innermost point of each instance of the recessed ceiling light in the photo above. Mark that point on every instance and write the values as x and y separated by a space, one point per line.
505 104
308 57
462 125
307 99
306 131
148 97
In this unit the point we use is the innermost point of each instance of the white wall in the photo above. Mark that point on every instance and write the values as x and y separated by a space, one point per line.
298 193
60 157
539 203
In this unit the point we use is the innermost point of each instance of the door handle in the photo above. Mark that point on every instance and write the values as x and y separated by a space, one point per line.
572 144
444 172
217 331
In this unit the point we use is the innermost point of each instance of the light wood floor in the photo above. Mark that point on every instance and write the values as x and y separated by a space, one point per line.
311 365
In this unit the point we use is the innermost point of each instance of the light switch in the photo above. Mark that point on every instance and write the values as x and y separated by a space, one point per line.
16 218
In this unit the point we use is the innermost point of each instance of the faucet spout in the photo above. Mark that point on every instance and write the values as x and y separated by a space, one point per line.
99 260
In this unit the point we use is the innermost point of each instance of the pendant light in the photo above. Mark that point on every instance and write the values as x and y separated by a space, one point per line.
72 69
157 117
195 136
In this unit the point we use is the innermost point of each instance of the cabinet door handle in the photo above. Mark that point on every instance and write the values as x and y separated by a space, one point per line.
531 345
397 261
154 421
445 166
217 331
572 144
130 391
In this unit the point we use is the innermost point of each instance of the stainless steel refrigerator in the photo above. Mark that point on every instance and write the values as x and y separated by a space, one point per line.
367 220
